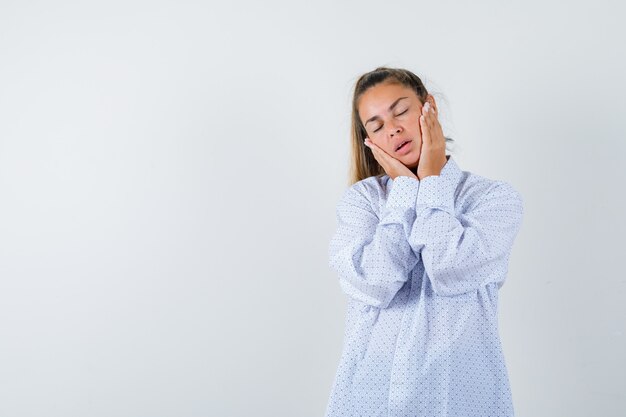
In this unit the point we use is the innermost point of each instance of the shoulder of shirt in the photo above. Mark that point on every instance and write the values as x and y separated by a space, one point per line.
365 193
476 187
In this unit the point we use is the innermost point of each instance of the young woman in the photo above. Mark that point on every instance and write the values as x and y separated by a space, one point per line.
421 249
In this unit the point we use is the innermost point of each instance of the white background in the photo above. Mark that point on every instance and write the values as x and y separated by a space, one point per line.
168 178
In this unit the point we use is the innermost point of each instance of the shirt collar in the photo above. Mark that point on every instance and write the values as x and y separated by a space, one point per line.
451 172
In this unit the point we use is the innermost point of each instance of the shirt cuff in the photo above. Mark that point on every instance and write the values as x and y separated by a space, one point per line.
436 192
403 193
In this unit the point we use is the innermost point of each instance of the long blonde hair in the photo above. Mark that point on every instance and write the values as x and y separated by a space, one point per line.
363 164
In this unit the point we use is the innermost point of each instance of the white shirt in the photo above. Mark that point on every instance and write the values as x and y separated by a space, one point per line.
422 263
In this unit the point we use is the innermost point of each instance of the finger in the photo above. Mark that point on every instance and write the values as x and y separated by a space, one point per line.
426 110
369 144
431 100
431 114
375 149
425 130
434 127
383 158
432 103
379 154
432 109
380 158
373 146
433 123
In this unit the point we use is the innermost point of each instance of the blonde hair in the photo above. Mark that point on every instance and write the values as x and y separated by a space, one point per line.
363 164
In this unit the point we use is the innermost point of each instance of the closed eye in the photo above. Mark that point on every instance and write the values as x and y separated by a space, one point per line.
396 115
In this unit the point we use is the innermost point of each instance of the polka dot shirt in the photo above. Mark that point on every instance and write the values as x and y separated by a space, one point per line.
421 263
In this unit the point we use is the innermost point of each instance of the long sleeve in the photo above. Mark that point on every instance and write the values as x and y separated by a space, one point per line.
462 253
373 257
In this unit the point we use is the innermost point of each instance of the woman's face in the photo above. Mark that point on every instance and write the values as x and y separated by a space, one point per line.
390 114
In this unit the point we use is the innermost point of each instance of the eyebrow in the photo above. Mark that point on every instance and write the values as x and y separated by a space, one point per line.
390 108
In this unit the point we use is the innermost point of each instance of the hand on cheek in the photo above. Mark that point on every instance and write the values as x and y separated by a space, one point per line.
433 152
391 165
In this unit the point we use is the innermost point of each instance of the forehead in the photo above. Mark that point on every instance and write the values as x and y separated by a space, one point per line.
376 100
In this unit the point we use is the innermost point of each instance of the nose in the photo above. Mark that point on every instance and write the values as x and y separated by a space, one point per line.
394 129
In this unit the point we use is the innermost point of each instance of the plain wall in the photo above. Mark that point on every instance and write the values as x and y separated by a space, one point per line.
168 178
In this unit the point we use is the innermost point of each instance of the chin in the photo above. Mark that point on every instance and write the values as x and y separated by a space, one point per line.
412 163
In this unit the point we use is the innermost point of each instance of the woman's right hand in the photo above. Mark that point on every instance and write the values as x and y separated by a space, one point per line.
391 165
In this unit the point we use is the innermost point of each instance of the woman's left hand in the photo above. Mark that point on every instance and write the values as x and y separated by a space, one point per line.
433 152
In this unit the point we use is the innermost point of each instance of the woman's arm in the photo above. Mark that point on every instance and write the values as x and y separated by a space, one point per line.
372 256
461 254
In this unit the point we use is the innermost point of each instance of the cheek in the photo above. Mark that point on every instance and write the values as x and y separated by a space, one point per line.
382 144
377 141
415 124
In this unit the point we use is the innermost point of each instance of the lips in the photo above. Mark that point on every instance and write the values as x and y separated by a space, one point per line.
399 145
